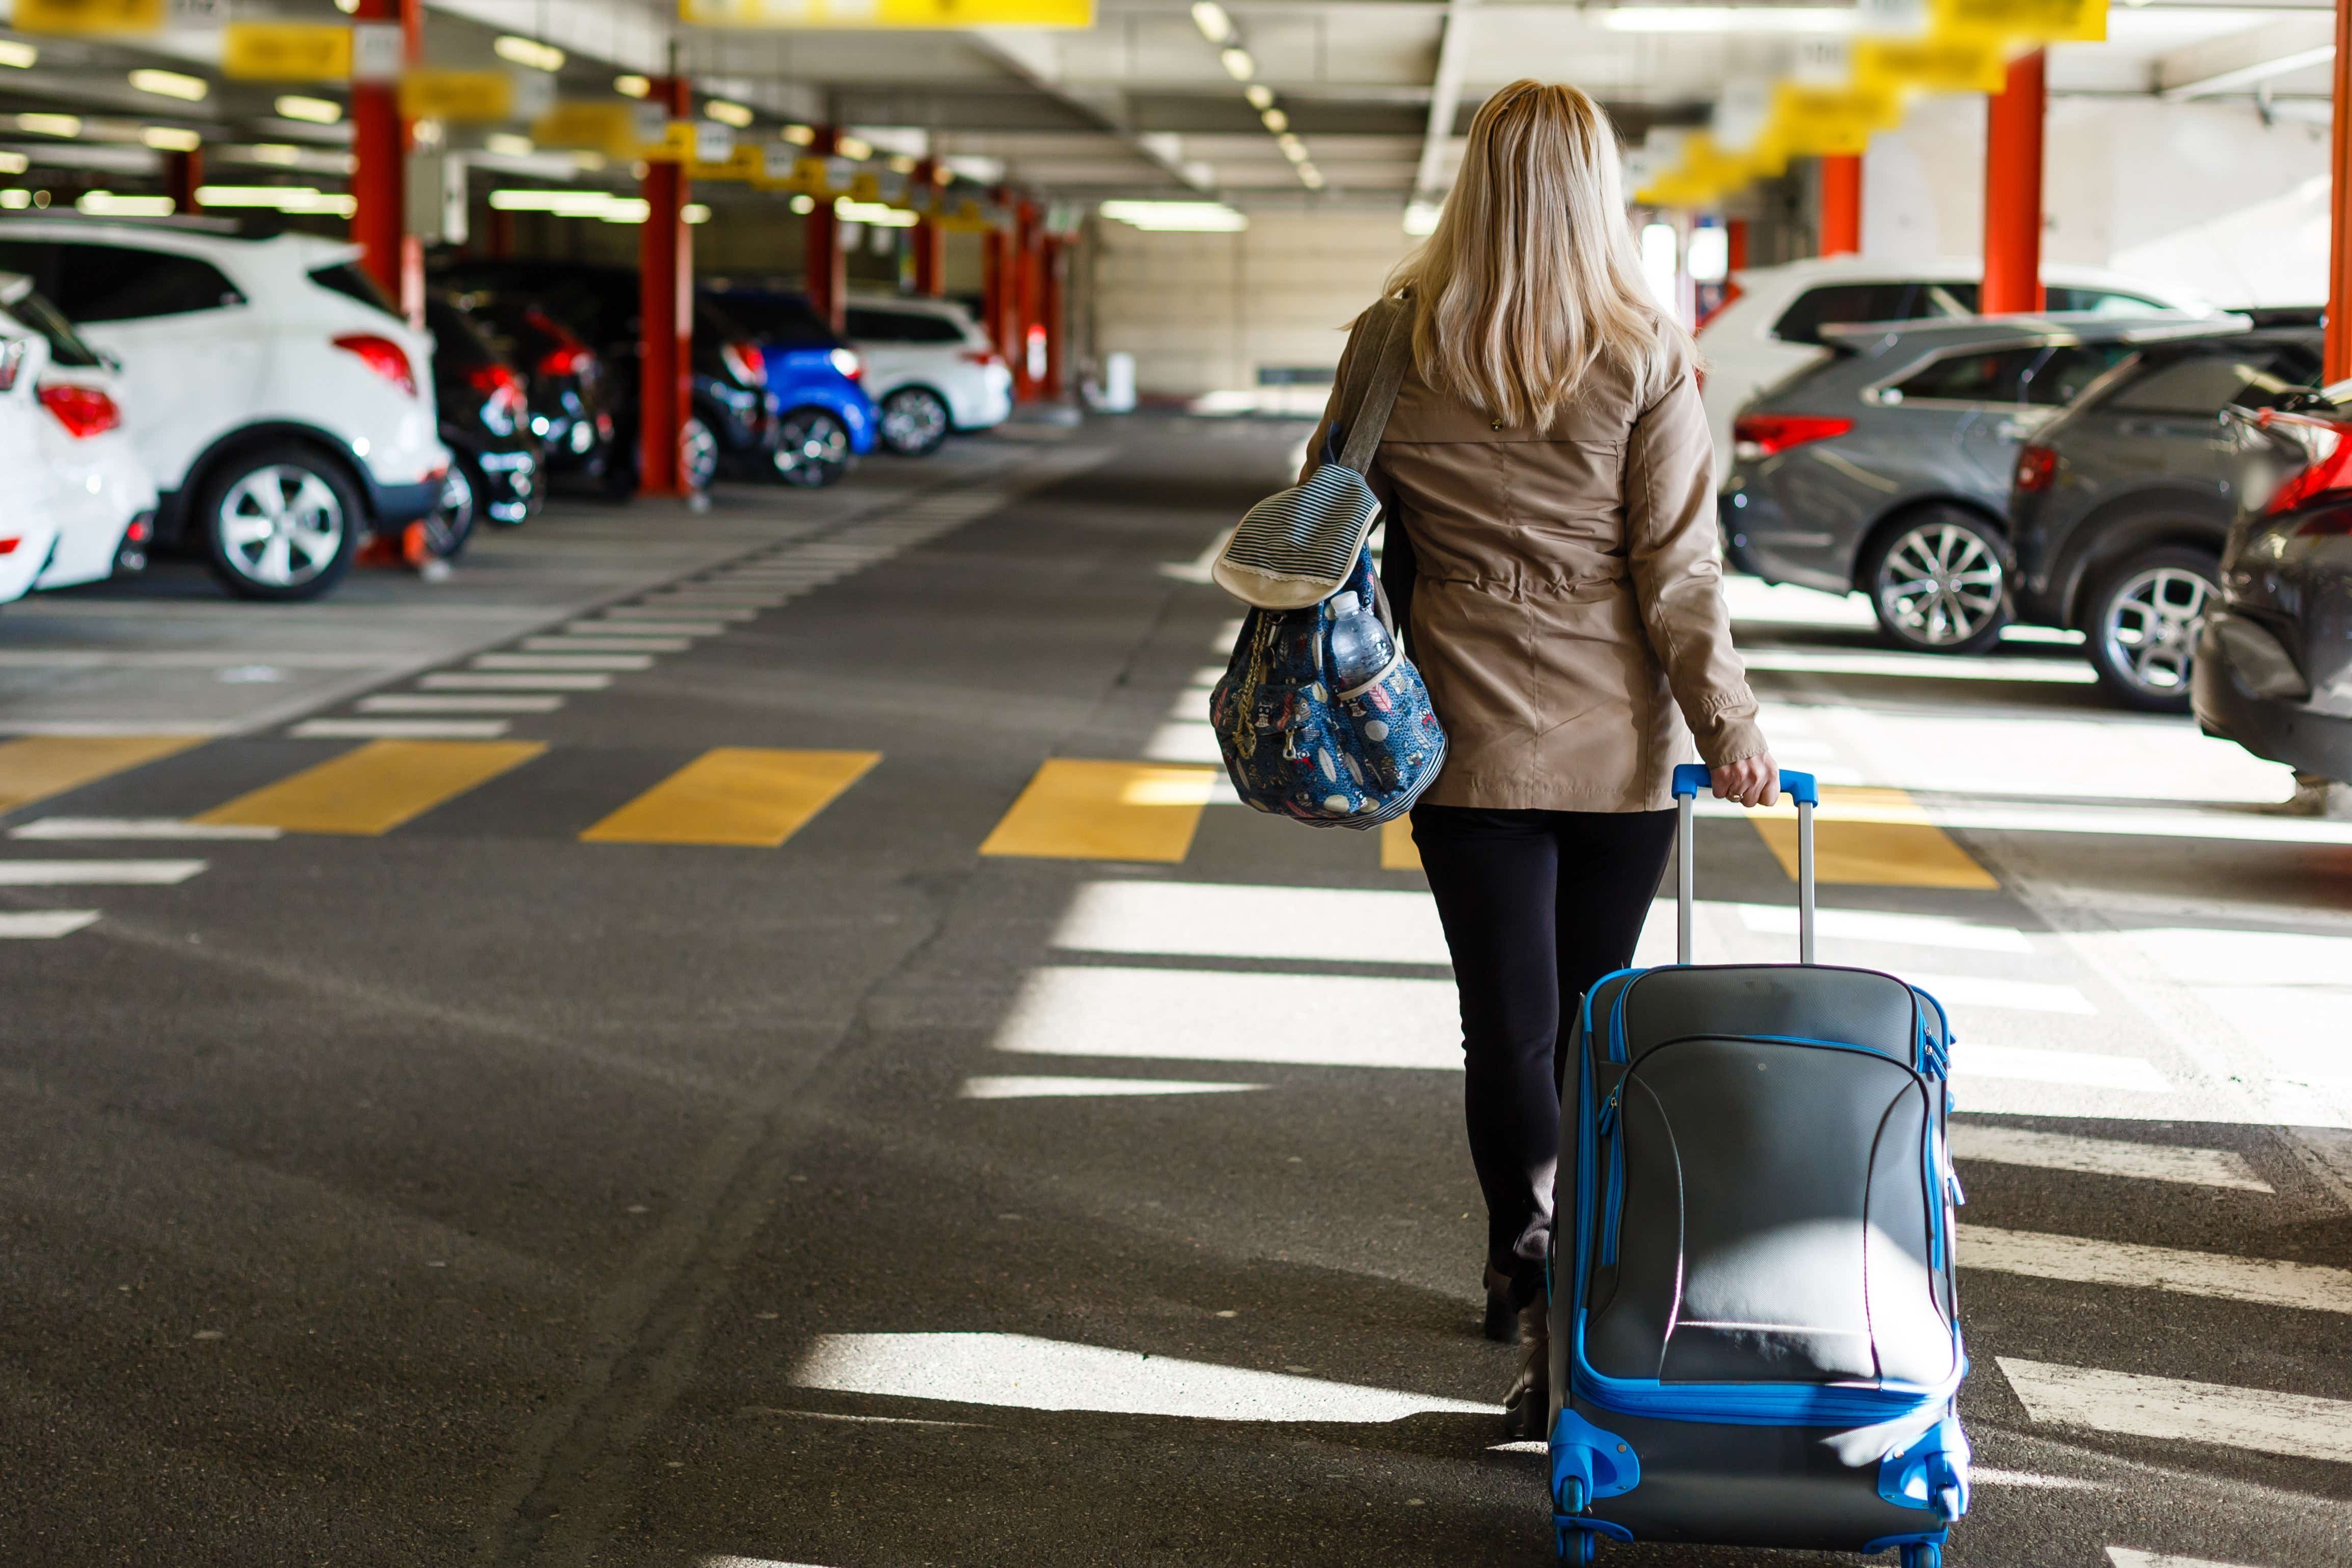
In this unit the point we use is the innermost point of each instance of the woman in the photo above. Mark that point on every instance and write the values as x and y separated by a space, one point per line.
1549 464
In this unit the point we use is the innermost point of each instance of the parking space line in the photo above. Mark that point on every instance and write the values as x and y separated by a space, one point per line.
2125 1557
134 827
2300 1425
2083 1070
2105 1157
2015 995
551 680
1875 838
650 629
1075 809
2260 1281
579 642
657 612
376 787
753 796
1329 1020
562 662
34 767
400 729
98 873
44 925
1016 1087
410 702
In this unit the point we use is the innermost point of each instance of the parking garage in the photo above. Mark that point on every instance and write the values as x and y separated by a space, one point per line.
627 934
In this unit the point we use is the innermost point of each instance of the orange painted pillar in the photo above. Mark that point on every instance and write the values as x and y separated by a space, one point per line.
827 269
930 240
379 168
996 292
2338 352
183 174
1028 304
2012 204
1841 204
666 313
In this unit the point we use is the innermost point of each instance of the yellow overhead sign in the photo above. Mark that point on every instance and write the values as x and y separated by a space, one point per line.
286 51
456 95
1946 63
2034 21
88 16
616 128
882 14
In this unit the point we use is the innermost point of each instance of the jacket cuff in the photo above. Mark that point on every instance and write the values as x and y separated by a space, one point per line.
1727 738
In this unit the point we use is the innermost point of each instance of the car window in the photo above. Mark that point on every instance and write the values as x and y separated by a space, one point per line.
1995 375
874 326
1952 299
1833 303
2200 385
459 343
783 319
66 346
2066 371
353 281
2099 301
115 283
902 327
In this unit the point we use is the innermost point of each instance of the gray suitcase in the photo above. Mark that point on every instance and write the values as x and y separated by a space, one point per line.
1754 1330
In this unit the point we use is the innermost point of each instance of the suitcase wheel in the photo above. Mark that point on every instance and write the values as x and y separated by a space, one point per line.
1580 1546
1571 1497
1923 1555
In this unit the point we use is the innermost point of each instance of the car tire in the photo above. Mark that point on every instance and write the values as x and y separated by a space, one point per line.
698 454
812 449
1939 581
915 422
280 522
2140 620
450 525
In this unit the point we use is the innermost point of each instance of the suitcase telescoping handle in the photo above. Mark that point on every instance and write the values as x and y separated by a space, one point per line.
1692 777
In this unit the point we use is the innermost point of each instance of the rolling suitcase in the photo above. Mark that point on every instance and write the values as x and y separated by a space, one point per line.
1754 1331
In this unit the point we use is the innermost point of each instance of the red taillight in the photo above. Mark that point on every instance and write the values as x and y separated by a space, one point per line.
2327 469
2036 468
1763 435
84 411
382 355
9 545
566 359
505 388
139 532
983 357
744 364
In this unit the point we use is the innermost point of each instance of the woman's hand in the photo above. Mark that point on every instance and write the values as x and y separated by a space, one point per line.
1752 781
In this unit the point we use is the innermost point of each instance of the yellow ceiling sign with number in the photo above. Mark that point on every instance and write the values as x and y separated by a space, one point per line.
1958 63
286 51
2035 21
456 95
883 13
617 129
89 16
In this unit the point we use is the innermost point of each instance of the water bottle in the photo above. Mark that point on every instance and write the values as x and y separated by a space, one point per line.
1360 648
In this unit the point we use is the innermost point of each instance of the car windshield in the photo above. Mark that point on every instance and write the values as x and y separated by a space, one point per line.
2201 384
778 319
353 281
65 345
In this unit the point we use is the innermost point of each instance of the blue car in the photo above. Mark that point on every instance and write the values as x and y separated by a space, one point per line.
824 416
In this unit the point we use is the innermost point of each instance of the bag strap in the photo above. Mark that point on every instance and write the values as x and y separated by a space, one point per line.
1370 419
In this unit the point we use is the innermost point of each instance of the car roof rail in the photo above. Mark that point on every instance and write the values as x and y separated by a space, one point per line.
243 226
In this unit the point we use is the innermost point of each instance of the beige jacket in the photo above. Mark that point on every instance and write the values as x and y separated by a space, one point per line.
1568 598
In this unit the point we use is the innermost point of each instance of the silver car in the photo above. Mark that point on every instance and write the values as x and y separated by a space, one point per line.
1886 467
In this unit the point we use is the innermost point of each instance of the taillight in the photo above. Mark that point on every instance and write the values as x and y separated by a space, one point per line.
9 545
382 355
12 363
1763 435
847 364
505 404
2326 471
2036 468
983 357
84 411
565 359
743 363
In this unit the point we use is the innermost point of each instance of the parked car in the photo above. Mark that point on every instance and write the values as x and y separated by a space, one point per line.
1885 465
486 423
565 381
825 418
104 501
929 369
1772 328
2120 508
281 405
28 524
2273 664
731 422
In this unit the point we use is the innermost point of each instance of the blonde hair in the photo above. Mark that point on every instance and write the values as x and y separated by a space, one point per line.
1530 279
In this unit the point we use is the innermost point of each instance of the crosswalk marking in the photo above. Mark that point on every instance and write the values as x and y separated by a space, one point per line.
2105 1156
376 787
34 767
97 873
1183 1015
43 925
658 612
1880 926
1878 837
755 797
2125 1557
579 642
549 681
1225 920
74 827
1075 809
400 729
563 661
2262 1281
2016 996
1019 1088
410 702
1398 851
649 629
2299 1426
2085 1069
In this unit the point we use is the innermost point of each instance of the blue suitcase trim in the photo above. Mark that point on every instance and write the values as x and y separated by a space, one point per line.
1600 1464
1932 1473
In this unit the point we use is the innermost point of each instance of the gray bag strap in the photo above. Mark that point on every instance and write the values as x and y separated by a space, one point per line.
1369 418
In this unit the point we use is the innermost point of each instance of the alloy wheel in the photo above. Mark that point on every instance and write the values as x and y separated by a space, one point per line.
451 521
2151 628
698 455
914 422
1940 585
280 525
814 449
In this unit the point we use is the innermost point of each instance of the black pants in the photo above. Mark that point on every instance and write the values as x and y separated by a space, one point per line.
1537 906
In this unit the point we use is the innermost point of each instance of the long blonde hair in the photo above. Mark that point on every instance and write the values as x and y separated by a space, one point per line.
1531 278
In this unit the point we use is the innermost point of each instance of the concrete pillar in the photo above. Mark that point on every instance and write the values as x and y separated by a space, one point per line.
996 284
2338 352
2012 204
182 173
665 311
828 268
928 239
1840 219
379 169
1054 313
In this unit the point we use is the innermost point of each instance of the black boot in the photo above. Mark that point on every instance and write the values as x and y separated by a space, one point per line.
1502 1324
1527 1407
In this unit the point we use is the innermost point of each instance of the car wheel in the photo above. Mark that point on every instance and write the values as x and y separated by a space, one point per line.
698 454
1939 583
813 449
451 523
914 421
2142 618
280 523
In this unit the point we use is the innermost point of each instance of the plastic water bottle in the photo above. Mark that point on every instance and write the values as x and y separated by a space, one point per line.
1360 648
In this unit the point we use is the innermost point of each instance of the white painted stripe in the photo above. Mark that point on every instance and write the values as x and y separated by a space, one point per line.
1874 925
563 661
2299 1426
97 873
1014 1087
2105 1157
625 628
2121 821
749 1563
1017 1371
2125 1557
550 681
2260 1281
1216 919
1979 1476
41 925
400 729
2087 1070
2013 996
409 702
1191 1016
575 644
134 827
1928 666
657 613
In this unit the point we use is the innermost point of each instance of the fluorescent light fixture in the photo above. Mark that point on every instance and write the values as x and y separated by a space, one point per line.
1661 250
24 57
172 84
106 204
303 199
903 164
1237 63
16 201
1729 19
1276 120
588 162
14 163
854 147
347 8
1260 96
66 125
802 205
1177 217
1211 18
799 135
1708 256
1310 176
280 152
528 52
633 85
695 213
316 111
507 144
1292 148
727 112
603 204
1421 218
171 139
874 213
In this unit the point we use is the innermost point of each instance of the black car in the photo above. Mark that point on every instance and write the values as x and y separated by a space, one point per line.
494 467
2120 506
2273 668
732 423
566 383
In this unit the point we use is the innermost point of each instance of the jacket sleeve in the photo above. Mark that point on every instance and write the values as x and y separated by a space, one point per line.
1331 405
1671 548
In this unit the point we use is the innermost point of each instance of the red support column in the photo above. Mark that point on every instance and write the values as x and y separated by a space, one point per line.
182 173
996 292
666 311
1028 290
379 173
1841 204
827 268
2013 205
930 240
1735 243
2338 354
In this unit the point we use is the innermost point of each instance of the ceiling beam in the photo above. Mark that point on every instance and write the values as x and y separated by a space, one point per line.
2236 62
1444 98
1033 57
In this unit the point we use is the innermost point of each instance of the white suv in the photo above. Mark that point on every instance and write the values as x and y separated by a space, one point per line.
28 520
282 407
930 370
102 501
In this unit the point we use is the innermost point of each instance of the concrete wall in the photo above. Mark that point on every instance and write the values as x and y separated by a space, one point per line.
2201 197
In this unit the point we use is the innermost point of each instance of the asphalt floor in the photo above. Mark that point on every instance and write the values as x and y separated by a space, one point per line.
760 1039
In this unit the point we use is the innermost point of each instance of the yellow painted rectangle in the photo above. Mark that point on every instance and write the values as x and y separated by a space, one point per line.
1398 851
35 767
750 796
1077 810
287 51
886 14
1878 837
375 788
90 17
